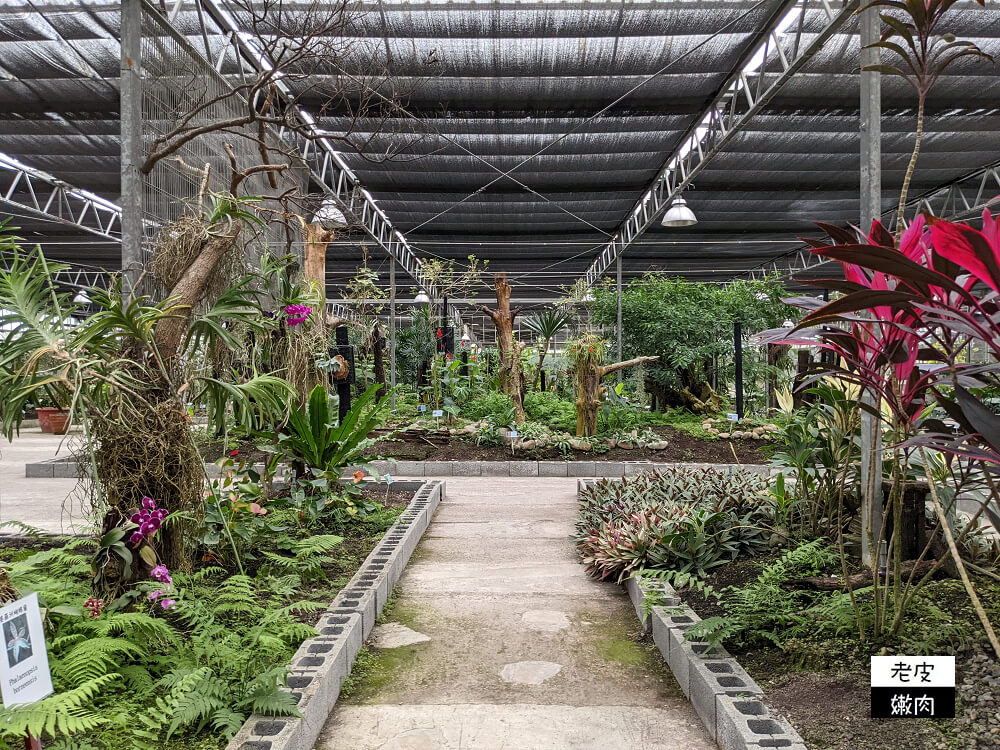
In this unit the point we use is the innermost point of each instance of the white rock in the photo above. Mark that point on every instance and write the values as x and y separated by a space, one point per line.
396 635
529 672
548 620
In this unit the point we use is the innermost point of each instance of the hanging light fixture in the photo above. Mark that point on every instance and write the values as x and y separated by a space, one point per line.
421 298
466 338
329 216
679 215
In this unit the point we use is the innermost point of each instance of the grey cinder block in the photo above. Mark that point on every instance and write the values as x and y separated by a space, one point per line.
467 468
523 468
410 468
437 468
609 469
580 469
552 469
495 468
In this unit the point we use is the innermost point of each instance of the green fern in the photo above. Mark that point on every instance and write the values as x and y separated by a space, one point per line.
63 712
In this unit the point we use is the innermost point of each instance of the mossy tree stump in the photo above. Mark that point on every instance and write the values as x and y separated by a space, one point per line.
510 371
589 373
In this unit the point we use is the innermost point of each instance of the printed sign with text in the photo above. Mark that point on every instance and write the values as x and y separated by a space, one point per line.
24 669
909 687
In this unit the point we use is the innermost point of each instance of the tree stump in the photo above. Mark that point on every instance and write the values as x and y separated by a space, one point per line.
510 371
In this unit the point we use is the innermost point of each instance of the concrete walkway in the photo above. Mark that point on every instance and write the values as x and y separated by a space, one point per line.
525 651
52 505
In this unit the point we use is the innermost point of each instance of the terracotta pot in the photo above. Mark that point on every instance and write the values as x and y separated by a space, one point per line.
53 420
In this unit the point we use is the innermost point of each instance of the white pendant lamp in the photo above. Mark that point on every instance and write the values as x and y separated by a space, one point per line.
679 215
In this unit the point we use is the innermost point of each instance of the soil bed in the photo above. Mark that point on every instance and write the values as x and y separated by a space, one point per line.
822 687
682 447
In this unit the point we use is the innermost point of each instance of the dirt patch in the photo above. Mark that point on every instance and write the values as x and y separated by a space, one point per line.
831 711
681 447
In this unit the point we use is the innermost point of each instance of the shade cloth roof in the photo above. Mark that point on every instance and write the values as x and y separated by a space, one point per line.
489 85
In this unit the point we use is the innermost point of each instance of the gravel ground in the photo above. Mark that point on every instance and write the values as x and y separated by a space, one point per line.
977 721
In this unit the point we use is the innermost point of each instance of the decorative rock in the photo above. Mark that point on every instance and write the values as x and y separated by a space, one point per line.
738 434
772 427
547 620
626 446
529 672
528 445
723 434
396 635
612 443
579 445
658 446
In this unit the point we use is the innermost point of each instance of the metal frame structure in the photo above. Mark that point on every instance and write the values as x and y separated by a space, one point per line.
959 199
60 202
745 94
326 166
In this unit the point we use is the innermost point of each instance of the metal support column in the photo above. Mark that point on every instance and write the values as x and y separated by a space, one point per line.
871 207
738 361
131 142
618 334
392 331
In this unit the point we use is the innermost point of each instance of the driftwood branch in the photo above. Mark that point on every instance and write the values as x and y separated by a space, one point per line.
241 174
854 581
608 369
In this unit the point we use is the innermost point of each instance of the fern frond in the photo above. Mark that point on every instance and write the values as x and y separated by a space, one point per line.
63 712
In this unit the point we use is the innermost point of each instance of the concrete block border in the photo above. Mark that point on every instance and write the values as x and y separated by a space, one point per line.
728 701
67 468
319 667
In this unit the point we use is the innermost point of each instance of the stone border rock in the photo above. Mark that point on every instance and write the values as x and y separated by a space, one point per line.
67 468
726 698
319 667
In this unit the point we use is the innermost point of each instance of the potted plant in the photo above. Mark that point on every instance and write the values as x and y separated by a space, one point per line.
52 419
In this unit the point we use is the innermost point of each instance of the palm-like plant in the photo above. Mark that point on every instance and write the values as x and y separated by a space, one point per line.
118 375
546 325
912 35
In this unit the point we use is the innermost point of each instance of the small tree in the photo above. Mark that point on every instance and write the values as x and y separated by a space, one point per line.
510 371
588 354
546 326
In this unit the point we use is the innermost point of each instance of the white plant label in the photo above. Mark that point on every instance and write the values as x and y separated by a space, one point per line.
24 668
437 413
422 407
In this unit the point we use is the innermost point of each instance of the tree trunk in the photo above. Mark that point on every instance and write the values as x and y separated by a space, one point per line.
378 355
188 291
588 387
316 240
510 371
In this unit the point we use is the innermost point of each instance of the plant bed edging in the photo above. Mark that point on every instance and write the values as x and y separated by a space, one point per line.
319 667
728 701
68 468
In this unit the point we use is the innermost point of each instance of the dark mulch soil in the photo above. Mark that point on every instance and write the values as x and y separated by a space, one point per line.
831 712
392 499
432 446
823 689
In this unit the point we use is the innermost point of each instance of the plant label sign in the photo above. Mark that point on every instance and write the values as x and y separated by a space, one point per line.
24 668
733 416
422 407
437 413
910 687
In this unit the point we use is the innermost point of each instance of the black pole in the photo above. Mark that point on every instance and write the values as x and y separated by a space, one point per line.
343 389
738 343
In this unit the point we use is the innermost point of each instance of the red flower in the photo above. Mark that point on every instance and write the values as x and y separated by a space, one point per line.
440 333
234 453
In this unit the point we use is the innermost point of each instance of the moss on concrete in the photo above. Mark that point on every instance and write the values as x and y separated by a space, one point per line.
374 669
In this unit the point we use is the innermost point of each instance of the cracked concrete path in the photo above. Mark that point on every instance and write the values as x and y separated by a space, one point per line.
525 652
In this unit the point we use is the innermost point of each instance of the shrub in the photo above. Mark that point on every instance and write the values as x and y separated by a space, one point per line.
482 407
683 519
550 410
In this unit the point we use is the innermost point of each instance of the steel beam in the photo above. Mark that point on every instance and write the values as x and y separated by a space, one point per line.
131 141
963 198
775 61
326 165
42 195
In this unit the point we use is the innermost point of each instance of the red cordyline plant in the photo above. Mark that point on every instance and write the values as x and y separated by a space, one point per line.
927 299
